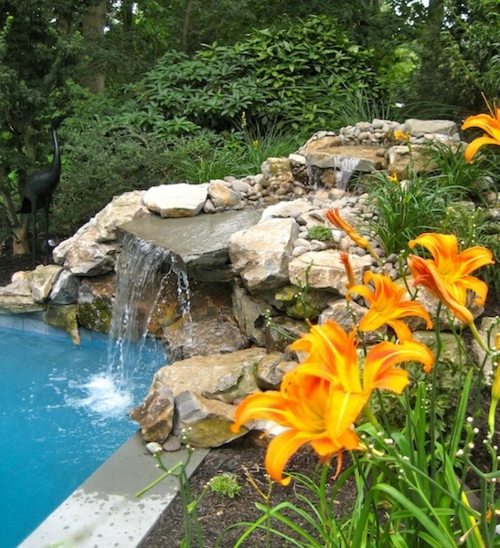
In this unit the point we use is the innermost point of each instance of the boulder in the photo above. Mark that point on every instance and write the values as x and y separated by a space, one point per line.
92 249
271 370
203 422
17 296
250 314
221 195
401 156
226 377
261 254
43 279
155 415
277 173
348 314
64 317
324 270
179 200
95 302
203 338
65 289
293 209
421 127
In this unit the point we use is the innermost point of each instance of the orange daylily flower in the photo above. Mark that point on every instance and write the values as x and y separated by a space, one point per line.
344 259
313 410
333 215
320 400
490 125
388 304
446 275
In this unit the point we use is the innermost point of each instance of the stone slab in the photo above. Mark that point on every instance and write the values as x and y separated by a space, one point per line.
200 241
103 511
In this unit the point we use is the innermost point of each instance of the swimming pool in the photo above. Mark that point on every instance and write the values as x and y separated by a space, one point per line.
56 427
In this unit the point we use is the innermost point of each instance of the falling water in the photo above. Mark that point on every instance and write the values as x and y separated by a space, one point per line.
346 167
142 270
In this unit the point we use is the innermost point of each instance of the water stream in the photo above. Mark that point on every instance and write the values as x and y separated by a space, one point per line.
142 270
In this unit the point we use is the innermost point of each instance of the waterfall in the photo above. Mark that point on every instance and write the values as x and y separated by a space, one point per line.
346 167
142 270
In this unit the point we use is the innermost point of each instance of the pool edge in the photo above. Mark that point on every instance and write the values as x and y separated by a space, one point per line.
103 511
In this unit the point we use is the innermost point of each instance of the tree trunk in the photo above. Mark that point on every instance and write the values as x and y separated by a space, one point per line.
93 23
20 240
186 25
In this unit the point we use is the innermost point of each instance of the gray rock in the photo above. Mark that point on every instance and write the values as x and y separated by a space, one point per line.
42 281
65 289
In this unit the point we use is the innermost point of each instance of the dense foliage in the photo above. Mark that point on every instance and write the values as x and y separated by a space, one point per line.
148 100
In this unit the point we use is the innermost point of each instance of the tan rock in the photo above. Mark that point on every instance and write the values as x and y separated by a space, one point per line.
179 200
261 254
221 195
203 422
401 156
489 329
325 269
155 415
271 370
226 377
17 296
43 279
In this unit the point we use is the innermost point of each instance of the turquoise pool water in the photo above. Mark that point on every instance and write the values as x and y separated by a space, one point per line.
60 418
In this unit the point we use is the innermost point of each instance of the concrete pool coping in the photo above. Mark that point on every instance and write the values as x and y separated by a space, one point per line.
104 512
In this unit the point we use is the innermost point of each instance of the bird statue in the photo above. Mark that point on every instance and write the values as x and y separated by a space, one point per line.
39 188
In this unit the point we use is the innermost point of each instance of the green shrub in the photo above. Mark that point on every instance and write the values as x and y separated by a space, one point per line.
290 77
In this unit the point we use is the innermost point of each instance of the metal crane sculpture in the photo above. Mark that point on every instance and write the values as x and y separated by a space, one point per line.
38 190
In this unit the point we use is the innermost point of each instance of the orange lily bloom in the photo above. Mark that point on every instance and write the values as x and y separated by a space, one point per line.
489 124
446 275
320 400
344 258
333 215
388 305
312 410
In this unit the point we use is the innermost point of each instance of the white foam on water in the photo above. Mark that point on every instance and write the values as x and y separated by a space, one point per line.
103 397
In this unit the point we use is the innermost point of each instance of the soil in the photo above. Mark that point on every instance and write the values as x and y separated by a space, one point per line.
217 513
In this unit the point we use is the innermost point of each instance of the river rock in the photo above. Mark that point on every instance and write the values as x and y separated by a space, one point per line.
226 377
261 254
325 270
42 281
277 173
155 415
203 422
179 200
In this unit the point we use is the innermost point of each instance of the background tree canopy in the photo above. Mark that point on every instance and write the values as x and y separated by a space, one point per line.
150 84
